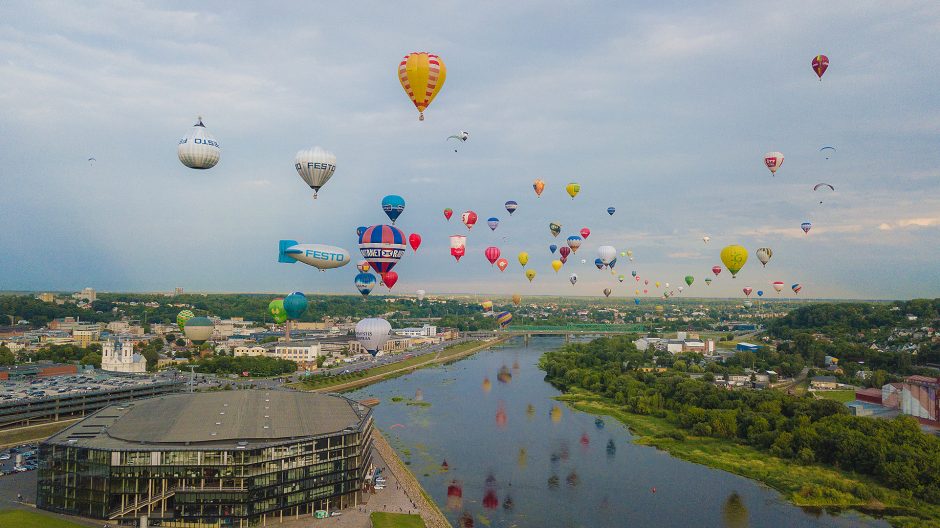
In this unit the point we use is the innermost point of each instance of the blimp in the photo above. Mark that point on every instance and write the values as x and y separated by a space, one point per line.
319 256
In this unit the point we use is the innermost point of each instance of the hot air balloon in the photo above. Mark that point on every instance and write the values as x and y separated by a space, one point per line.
599 263
760 293
389 278
646 282
747 291
492 253
462 137
448 213
276 309
316 166
689 279
820 64
182 317
607 254
706 239
360 230
539 186
415 240
373 333
492 222
198 329
630 254
573 278
422 76
487 306
511 206
681 288
504 319
657 284
564 251
585 233
383 246
556 265
573 189
502 264
778 286
607 292
574 242
458 246
819 186
420 295
796 288
612 264
552 248
716 270
708 281
199 149
621 278
555 228
364 283
523 258
611 210
806 226
393 205
773 160
734 257
516 299
748 304
636 302
295 305
363 266
763 255
530 274
633 273
469 218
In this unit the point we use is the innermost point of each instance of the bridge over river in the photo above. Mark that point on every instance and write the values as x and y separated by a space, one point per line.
567 330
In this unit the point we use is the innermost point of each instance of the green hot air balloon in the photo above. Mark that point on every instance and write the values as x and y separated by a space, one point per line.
182 317
198 329
555 228
689 279
276 309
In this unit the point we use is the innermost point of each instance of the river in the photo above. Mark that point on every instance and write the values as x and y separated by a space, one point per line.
516 457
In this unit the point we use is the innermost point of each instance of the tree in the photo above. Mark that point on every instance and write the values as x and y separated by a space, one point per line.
7 358
320 361
91 358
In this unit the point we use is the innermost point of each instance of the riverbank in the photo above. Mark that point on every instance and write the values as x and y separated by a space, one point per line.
809 486
430 513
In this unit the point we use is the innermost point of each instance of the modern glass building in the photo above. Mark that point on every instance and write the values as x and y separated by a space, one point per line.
229 458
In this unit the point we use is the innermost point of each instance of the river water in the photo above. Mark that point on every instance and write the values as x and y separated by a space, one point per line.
516 457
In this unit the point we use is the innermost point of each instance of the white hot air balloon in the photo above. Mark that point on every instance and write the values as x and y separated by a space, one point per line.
764 254
315 166
199 149
573 278
607 254
373 333
706 239
420 295
773 160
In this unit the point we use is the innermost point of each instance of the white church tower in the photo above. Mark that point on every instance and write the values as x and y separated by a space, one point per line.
123 359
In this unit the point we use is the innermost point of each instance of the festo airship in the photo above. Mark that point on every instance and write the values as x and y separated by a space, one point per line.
319 256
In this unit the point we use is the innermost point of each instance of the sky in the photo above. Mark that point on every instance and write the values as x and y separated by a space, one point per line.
663 110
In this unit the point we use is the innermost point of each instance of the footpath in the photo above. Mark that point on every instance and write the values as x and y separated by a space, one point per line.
430 513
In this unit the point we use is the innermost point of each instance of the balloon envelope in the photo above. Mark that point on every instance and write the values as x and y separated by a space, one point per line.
276 309
530 274
502 264
492 254
198 329
573 189
611 210
504 319
415 240
552 248
511 206
763 255
458 246
556 265
469 218
538 186
734 257
574 242
199 149
689 279
585 233
607 254
295 305
555 228
773 160
422 76
373 333
382 246
315 166
364 283
492 222
523 258
820 65
182 317
448 213
393 205
806 226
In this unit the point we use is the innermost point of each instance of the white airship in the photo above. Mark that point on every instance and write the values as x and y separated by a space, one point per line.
319 256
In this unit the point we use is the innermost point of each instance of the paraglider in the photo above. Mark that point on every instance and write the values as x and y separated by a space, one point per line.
295 305
492 222
552 248
276 309
556 265
778 286
315 166
530 274
469 218
611 210
820 65
422 76
372 333
573 189
573 278
796 288
511 206
389 278
773 160
199 149
448 213
504 319
523 258
364 283
689 279
415 240
538 186
585 233
607 254
828 151
747 291
462 137
198 329
319 256
763 255
823 186
458 246
555 228
383 246
182 317
734 257
393 205
492 253
806 226
607 292
574 242
706 239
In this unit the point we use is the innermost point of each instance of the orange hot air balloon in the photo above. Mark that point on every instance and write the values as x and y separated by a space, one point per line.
539 186
502 264
422 76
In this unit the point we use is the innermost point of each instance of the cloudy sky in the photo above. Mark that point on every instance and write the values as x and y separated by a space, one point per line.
663 111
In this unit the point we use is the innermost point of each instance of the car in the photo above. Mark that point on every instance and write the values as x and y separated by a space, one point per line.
380 488
335 514
5 456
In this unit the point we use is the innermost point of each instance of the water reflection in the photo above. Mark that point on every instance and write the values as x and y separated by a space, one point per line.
487 384
556 414
501 414
504 376
734 512
530 411
522 458
490 499
454 495
466 520
419 395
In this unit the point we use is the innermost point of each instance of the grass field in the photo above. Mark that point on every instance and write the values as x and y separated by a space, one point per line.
841 396
23 435
28 519
395 520
810 485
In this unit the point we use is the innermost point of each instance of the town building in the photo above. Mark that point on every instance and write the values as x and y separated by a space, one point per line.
47 297
120 357
425 331
824 383
87 294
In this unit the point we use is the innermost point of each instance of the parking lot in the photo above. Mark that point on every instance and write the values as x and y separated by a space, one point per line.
36 388
18 459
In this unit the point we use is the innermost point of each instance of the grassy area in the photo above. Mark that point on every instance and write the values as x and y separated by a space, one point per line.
453 350
395 520
810 485
24 435
841 396
28 519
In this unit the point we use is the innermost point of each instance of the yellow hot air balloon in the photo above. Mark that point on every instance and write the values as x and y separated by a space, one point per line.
422 76
734 257
523 258
530 274
487 305
657 284
556 265
516 299
636 292
539 186
573 189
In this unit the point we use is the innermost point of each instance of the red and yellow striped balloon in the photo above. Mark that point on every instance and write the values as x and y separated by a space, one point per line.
422 77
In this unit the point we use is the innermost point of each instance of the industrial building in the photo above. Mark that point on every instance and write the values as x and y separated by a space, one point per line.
231 458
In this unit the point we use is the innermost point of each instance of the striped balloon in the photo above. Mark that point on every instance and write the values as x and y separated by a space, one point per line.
422 76
382 246
199 149
503 319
